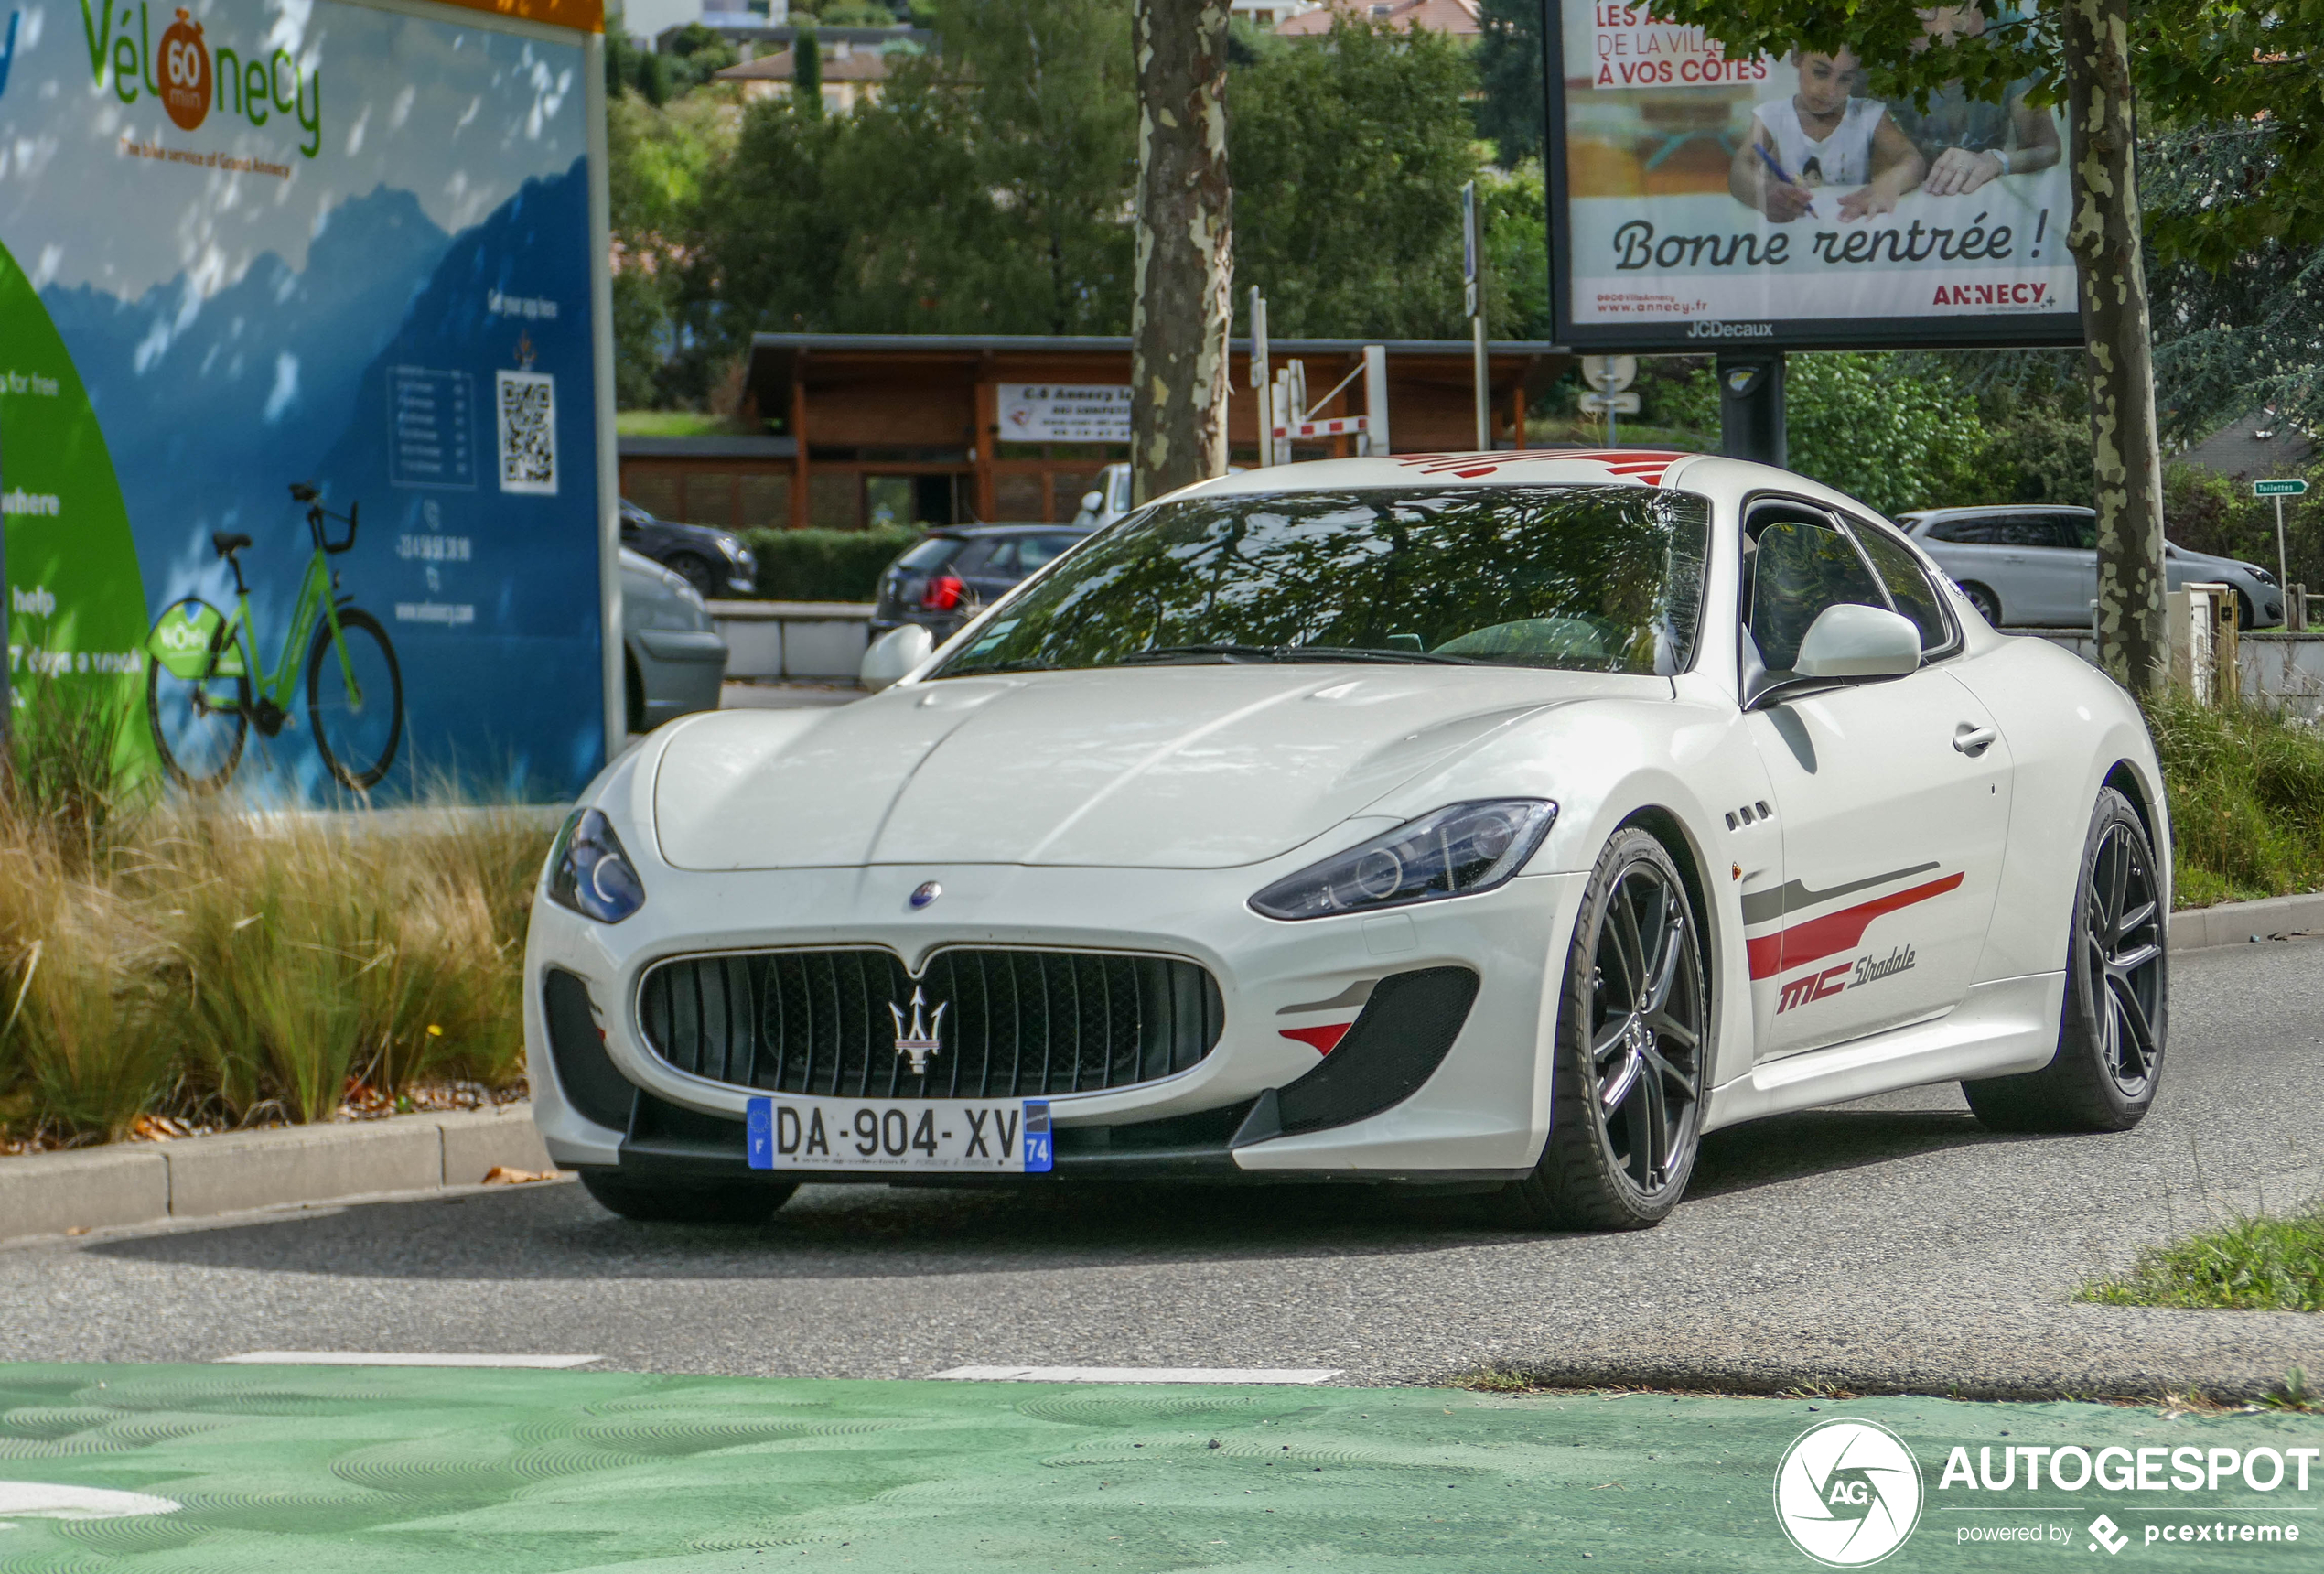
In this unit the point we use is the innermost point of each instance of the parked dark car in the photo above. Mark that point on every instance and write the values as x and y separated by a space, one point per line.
714 561
944 581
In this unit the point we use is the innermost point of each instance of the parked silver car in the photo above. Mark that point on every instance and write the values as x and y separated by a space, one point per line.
672 659
2038 566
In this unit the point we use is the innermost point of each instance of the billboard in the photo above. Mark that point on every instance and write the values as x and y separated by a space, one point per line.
1700 202
301 411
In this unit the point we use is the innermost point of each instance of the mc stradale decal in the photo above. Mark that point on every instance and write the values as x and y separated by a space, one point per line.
1830 981
1817 940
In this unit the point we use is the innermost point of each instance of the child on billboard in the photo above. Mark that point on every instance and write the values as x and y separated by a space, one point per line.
1823 136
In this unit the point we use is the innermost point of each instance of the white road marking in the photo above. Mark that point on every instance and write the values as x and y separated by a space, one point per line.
40 1500
1141 1373
393 1358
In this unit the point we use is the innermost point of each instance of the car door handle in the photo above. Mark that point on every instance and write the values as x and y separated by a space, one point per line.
1973 739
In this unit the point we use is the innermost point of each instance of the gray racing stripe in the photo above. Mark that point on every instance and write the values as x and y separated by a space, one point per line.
1765 905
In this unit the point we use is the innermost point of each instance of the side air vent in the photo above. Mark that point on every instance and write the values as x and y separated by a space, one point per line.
1406 1030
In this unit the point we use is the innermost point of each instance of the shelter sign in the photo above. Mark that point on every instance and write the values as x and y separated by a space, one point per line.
1698 201
1056 413
355 246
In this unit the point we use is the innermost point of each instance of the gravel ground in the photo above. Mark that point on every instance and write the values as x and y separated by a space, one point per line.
1885 1245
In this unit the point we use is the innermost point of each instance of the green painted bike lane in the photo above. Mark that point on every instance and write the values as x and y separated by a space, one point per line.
321 1469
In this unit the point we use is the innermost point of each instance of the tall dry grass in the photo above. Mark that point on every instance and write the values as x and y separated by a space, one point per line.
210 960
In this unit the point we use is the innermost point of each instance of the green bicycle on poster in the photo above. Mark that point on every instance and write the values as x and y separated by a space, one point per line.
199 693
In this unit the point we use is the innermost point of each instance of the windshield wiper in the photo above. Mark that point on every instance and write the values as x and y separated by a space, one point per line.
1198 652
1027 664
1361 654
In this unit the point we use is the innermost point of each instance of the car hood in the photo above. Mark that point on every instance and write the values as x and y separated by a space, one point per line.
1191 767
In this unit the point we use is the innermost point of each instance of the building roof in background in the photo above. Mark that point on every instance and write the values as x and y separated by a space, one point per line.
2254 446
1457 17
861 66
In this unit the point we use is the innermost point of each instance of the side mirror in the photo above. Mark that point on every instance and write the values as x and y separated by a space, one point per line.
1851 642
1092 502
893 654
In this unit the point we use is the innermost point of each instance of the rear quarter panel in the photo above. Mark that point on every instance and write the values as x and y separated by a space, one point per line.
2068 725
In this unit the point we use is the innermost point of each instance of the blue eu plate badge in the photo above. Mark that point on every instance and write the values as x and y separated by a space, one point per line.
1040 1156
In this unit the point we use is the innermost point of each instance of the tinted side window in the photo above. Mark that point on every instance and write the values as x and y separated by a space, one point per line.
2030 530
1798 571
1965 532
1036 550
1908 588
2081 530
981 556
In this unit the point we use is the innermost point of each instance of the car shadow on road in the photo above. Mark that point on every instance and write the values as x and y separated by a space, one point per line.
556 1232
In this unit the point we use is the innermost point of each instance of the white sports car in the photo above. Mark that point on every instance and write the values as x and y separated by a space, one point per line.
1502 821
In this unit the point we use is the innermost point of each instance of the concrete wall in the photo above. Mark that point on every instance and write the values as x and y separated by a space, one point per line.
793 639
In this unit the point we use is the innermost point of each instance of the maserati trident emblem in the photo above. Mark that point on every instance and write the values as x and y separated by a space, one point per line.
920 1039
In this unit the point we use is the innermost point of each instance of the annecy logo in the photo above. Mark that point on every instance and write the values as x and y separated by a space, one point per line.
193 79
1848 1493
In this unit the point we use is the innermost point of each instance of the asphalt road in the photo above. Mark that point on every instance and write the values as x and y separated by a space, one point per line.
1890 1245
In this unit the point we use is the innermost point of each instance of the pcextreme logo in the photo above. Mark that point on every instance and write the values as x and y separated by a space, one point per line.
1848 1493
192 81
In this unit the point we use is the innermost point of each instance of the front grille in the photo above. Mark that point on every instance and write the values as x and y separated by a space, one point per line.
1015 1023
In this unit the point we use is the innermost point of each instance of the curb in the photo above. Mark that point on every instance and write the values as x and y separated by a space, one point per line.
195 1177
2241 922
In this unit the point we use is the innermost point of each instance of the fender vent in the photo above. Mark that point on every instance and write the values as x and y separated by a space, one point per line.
1405 1032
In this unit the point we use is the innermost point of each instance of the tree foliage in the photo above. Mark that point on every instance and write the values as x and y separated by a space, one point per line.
1512 108
1349 158
1889 437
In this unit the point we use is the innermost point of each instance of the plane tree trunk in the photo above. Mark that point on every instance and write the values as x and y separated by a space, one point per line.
1185 247
2117 350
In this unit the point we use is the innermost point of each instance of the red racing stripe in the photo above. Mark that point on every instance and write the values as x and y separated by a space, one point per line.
1820 937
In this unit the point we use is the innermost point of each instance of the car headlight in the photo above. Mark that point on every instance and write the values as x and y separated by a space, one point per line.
2264 577
1456 851
590 873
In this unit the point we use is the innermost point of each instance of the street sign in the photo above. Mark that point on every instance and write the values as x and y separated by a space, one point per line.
2294 487
1609 373
1609 403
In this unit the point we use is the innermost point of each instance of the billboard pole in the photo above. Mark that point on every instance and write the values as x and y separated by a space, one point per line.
1474 304
1751 406
1259 376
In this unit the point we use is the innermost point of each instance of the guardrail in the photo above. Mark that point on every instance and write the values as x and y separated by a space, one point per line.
793 638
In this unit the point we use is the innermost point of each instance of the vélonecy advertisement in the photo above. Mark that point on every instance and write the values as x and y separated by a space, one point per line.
1699 201
246 244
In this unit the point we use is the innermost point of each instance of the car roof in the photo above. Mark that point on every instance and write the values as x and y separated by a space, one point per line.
1712 473
973 532
1969 513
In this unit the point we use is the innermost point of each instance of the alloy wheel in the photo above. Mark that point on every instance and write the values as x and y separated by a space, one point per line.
2123 952
1646 1026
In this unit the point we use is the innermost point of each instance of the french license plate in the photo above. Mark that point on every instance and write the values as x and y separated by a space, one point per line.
983 1136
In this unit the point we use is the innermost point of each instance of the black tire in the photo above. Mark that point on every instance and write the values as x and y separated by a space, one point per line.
1633 1036
2111 1035
695 571
173 703
696 1202
1987 604
2243 612
358 756
633 693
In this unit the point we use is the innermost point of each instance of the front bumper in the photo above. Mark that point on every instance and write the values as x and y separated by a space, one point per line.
1481 1113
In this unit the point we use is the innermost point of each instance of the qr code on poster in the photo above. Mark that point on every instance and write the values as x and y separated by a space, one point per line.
528 422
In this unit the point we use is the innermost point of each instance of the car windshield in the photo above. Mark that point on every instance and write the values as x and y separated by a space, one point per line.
1590 578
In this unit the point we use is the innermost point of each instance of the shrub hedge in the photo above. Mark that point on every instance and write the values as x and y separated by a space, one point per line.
826 565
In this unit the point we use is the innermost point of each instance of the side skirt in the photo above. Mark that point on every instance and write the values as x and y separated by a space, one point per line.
2008 1025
